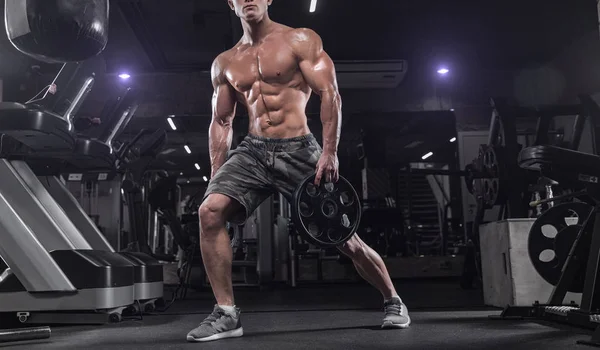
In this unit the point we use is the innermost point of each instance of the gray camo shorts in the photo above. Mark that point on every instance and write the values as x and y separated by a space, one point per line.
260 166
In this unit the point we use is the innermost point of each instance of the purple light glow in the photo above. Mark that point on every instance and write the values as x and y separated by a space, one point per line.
124 76
443 71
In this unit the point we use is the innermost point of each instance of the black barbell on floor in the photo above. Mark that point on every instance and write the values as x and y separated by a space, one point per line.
23 334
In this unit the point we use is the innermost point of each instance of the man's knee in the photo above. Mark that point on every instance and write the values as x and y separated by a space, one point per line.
354 247
213 213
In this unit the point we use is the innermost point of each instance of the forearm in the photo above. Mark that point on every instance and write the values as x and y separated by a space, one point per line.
220 136
331 118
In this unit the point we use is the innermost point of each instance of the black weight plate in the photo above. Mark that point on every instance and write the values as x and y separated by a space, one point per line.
491 186
469 178
551 238
326 215
490 161
491 192
494 168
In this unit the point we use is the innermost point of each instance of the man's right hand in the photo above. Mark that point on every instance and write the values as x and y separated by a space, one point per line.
327 168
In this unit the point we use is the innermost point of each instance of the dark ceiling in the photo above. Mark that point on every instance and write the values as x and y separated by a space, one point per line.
168 47
150 36
189 34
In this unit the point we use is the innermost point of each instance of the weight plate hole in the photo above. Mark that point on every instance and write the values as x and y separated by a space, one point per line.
329 187
346 221
346 199
547 255
312 190
314 230
549 231
572 218
306 210
334 235
329 208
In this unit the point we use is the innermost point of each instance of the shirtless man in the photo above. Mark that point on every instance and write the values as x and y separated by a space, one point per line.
271 71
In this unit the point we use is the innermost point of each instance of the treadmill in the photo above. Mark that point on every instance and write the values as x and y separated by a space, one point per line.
97 156
49 273
136 191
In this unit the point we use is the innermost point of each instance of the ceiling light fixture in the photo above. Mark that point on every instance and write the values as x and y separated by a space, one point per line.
172 123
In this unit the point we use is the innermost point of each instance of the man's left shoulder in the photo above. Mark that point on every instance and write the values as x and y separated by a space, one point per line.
304 41
303 35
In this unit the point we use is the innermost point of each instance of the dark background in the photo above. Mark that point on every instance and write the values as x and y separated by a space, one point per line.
536 52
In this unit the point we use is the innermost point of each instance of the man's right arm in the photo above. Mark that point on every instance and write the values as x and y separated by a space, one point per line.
223 112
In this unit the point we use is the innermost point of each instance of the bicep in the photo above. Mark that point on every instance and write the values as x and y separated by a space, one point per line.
319 72
315 64
223 102
224 98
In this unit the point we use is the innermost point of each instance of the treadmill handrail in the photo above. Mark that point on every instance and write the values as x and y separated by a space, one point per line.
119 116
127 146
84 91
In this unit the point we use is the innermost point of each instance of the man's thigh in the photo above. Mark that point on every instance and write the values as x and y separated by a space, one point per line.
243 179
292 167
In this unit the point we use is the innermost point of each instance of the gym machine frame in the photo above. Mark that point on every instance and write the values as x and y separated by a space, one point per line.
499 159
488 176
585 251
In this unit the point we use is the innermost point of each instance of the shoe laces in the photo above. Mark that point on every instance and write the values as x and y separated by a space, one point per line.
393 309
214 316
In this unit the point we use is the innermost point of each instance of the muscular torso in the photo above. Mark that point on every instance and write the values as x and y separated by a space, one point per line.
267 80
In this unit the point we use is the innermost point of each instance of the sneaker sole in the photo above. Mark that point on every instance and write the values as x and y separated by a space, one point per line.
390 325
229 334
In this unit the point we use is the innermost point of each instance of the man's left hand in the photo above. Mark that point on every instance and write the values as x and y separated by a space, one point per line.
327 168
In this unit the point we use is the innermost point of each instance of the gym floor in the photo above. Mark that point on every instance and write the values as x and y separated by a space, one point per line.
341 316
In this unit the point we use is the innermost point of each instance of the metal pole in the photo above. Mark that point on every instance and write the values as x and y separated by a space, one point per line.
21 334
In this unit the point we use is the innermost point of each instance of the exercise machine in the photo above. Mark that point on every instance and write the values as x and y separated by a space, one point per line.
98 156
564 242
45 278
498 183
136 188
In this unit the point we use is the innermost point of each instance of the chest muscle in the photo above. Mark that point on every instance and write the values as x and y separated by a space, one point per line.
272 63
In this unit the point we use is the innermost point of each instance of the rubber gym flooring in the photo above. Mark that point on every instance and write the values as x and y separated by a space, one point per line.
342 316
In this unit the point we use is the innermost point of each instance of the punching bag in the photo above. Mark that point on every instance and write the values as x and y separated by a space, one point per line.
58 31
